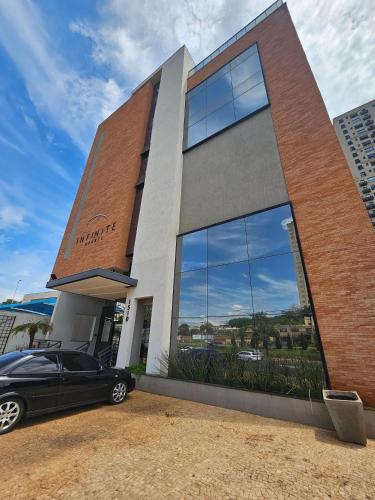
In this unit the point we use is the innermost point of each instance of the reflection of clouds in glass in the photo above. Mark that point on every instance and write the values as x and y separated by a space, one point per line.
224 289
285 222
229 290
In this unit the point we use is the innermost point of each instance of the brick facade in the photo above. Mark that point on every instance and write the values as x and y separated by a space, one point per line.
336 235
115 155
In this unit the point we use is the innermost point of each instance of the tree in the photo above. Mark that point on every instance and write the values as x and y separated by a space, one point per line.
242 334
289 342
255 340
32 328
278 341
184 329
303 341
264 328
9 301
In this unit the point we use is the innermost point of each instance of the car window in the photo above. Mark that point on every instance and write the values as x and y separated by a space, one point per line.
78 362
10 357
45 363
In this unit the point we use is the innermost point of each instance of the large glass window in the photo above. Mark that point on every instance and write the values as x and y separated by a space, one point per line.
241 297
233 92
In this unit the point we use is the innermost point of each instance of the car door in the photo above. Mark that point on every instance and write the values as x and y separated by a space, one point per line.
38 379
82 379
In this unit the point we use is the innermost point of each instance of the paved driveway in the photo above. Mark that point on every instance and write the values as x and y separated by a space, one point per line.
159 447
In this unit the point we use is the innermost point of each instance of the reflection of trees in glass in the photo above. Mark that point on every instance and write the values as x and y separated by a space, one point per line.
184 329
264 328
289 343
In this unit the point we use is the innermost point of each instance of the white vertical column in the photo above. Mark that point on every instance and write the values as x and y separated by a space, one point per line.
155 244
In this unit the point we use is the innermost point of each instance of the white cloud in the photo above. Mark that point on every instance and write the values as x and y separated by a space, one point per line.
11 144
11 216
61 95
133 38
285 222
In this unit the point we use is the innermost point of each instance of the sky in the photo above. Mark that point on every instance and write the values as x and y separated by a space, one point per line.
66 65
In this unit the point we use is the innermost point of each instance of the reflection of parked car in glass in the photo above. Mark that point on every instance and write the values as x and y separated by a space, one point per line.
186 348
201 353
250 355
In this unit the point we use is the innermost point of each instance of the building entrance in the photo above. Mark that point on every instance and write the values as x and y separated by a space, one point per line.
106 330
145 332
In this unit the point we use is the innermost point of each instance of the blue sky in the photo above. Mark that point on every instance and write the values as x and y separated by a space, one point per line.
66 65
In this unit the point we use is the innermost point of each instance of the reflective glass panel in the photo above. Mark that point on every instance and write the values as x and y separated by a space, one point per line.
229 331
274 284
229 290
247 84
197 107
190 332
193 294
219 93
227 243
247 68
270 232
233 92
250 101
194 251
196 133
245 55
220 119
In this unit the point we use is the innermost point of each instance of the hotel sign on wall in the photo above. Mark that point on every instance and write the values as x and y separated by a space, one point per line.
98 232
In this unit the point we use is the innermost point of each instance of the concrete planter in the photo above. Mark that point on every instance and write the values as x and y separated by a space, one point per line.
346 411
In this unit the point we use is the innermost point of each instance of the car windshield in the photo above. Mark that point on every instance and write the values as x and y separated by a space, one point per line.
10 357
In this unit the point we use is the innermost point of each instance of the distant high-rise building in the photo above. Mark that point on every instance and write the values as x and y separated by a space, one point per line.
300 275
356 132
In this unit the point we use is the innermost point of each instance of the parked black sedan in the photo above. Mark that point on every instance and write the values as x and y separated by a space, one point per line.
39 381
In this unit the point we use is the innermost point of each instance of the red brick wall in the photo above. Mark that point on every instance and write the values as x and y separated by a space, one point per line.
111 191
337 238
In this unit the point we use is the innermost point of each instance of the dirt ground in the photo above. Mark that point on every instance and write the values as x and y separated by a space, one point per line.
155 447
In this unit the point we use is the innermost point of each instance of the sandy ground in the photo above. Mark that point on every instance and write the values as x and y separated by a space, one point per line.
155 447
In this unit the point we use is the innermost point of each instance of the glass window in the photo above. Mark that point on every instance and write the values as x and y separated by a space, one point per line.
248 266
247 68
196 133
194 251
248 84
46 363
10 357
250 295
271 232
220 119
191 333
274 283
219 93
197 107
229 290
233 92
227 243
193 294
250 101
78 362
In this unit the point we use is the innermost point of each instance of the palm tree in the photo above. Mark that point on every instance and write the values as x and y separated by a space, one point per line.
32 329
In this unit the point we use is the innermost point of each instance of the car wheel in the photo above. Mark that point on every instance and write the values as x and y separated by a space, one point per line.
118 393
11 411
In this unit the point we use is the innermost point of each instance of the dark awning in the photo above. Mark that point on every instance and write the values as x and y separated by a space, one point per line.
99 283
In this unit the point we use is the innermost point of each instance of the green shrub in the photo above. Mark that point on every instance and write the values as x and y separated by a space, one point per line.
298 377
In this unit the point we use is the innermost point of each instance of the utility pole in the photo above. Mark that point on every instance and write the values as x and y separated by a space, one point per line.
15 290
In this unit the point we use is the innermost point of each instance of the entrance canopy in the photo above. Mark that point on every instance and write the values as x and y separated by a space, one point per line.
99 283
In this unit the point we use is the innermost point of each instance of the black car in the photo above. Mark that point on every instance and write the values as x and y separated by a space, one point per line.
39 381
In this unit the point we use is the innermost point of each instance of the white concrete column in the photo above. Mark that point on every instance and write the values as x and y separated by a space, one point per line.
155 244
